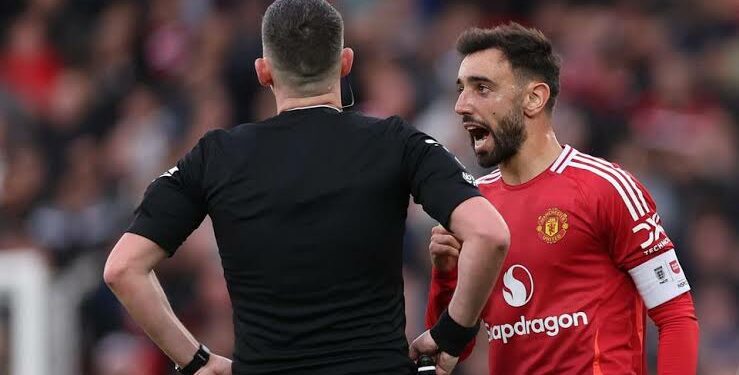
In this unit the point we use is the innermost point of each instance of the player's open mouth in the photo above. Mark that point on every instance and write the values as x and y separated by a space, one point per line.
478 134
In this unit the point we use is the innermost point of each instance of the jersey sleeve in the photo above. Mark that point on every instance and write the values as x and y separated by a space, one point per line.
174 203
438 180
638 242
678 336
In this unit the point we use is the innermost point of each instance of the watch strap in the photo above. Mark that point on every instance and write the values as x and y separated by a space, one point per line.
198 361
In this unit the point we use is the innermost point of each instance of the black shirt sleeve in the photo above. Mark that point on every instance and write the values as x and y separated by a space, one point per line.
438 181
174 204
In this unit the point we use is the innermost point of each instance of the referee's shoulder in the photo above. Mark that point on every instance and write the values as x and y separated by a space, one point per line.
222 135
219 141
362 117
386 125
215 136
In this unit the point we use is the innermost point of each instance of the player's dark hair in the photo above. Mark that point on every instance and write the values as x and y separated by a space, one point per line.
303 39
528 51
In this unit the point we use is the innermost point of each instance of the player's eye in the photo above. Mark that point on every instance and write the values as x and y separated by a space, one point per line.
483 89
460 88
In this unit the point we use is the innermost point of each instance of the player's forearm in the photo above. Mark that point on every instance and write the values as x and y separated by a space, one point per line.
678 336
440 294
479 264
678 348
142 295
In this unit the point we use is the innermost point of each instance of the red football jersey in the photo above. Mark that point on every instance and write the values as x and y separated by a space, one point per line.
588 256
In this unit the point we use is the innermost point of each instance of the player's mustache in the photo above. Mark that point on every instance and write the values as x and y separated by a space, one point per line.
469 118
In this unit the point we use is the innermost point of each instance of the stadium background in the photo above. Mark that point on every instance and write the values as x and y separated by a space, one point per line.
98 97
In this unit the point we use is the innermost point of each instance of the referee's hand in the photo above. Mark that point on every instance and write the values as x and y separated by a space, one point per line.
216 365
425 344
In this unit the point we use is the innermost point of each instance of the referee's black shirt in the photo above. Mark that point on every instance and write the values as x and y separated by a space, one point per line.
309 210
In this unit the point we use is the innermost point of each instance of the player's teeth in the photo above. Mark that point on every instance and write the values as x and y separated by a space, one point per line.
479 141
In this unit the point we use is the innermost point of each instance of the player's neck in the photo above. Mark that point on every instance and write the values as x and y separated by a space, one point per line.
537 153
285 101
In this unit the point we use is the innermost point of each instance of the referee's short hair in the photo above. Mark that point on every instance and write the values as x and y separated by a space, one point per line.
303 40
528 51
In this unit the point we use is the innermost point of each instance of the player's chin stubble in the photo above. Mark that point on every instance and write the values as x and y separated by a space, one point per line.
507 140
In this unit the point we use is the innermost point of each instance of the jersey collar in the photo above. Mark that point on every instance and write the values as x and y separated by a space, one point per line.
314 106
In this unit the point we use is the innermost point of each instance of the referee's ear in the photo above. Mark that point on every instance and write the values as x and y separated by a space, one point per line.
264 72
347 60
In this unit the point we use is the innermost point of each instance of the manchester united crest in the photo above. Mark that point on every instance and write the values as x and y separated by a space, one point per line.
552 226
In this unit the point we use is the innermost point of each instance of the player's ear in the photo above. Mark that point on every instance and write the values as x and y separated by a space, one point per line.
347 60
264 72
535 98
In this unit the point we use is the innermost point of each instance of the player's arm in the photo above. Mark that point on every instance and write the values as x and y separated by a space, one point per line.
641 246
444 249
678 335
662 284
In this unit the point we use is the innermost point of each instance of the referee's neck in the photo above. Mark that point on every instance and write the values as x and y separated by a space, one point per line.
332 99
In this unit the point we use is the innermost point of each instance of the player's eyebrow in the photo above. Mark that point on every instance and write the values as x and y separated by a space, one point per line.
475 79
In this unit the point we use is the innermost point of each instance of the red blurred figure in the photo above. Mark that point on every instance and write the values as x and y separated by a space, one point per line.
29 65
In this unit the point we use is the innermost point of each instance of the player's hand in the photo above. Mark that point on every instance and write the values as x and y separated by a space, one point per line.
425 344
444 249
216 365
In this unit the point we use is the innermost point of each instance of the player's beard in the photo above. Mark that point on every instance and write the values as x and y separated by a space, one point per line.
507 139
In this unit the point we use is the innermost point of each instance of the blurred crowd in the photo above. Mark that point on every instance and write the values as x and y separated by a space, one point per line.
99 97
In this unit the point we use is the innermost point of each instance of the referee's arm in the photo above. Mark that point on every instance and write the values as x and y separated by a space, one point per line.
485 240
129 274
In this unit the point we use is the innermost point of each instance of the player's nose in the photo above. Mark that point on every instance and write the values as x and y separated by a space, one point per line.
463 105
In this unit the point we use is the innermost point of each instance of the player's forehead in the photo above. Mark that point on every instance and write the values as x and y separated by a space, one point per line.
489 64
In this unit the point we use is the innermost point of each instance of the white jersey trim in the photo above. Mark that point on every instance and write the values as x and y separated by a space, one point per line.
490 178
613 182
624 184
566 162
660 279
625 176
560 158
314 106
643 210
170 172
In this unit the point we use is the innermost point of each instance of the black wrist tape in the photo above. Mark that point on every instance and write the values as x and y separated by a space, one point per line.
451 337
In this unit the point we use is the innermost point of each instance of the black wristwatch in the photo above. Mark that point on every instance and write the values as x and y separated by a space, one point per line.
198 361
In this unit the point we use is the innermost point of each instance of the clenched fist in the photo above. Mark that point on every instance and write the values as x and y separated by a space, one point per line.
444 249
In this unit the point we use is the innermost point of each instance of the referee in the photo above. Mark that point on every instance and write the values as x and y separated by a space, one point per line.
309 210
